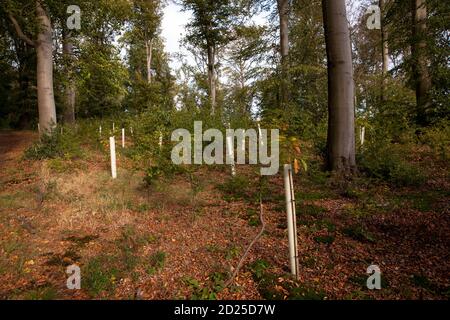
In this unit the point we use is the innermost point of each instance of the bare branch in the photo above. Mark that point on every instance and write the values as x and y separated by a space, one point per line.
19 31
259 235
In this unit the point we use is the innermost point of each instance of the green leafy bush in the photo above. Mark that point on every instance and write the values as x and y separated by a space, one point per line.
152 174
438 138
99 275
258 268
359 233
156 262
55 145
386 163
209 289
235 188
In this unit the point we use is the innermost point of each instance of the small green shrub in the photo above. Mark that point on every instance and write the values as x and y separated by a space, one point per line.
152 174
253 218
438 138
359 233
164 168
232 252
269 285
386 163
44 293
305 293
235 188
328 239
309 210
259 267
99 275
156 262
55 145
326 224
200 292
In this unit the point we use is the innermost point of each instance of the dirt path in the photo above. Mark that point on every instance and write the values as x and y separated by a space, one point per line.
13 144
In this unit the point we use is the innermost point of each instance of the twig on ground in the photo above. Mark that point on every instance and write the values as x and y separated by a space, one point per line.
241 262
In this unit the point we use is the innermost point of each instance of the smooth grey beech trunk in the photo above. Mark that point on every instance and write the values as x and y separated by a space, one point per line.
341 109
212 77
420 59
283 13
149 56
384 38
44 52
385 49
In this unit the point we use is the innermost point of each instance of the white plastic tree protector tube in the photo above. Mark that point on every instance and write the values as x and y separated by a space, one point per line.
230 152
363 135
291 219
112 146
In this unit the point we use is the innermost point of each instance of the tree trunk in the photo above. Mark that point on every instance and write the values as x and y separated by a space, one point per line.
283 12
212 77
69 110
149 55
420 59
44 52
341 118
385 49
384 37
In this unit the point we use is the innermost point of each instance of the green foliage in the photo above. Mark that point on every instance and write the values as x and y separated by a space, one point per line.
327 239
232 252
156 262
206 292
152 174
101 81
269 285
259 267
309 210
100 275
326 224
163 169
253 218
235 188
424 282
385 162
43 293
359 233
305 293
211 21
56 145
438 138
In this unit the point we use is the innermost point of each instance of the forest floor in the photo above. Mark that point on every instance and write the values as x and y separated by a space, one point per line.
181 238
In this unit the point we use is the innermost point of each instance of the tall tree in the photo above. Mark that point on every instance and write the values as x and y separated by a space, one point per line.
62 27
384 38
244 57
101 73
341 111
18 103
420 59
147 20
44 52
283 7
385 48
208 30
